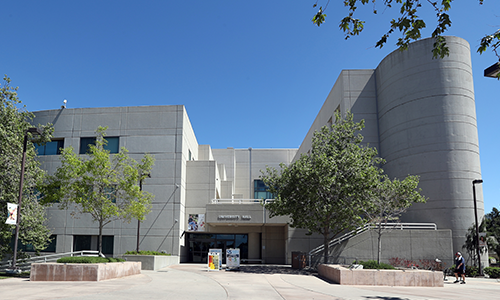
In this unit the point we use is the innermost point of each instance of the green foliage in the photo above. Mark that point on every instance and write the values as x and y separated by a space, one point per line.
390 199
493 272
325 190
471 271
88 260
408 23
146 252
492 222
14 122
100 184
372 264
470 244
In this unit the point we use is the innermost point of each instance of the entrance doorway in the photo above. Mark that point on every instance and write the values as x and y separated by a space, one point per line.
200 243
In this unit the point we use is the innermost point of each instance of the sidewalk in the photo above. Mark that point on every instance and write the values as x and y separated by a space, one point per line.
193 281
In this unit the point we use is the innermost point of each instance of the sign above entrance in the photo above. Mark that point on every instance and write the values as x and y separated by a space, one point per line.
234 217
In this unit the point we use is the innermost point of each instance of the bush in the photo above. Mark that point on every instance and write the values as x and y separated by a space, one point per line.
88 260
471 271
371 264
145 252
493 272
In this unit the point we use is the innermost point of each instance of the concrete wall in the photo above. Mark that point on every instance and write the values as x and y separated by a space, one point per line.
420 114
163 131
427 123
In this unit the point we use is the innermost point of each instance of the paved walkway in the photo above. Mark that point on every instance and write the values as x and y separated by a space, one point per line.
193 281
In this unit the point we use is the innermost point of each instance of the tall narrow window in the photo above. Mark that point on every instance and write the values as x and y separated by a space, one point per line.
261 191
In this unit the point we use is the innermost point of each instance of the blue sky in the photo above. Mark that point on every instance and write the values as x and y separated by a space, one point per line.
250 73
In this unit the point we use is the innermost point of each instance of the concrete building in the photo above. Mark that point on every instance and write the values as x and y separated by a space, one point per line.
419 113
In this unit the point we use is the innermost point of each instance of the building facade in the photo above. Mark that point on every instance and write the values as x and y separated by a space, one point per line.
419 113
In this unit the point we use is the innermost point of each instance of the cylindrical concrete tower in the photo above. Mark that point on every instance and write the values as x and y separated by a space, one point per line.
427 126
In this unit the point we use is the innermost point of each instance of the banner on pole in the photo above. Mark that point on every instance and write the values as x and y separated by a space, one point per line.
12 211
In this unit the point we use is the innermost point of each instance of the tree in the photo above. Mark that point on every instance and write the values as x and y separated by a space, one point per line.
326 190
492 222
409 23
101 184
470 244
391 198
14 122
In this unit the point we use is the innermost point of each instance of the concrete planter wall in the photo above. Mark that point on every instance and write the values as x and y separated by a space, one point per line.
153 262
83 272
344 276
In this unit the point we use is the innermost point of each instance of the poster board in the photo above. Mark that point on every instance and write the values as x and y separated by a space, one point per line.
233 258
196 222
220 256
213 261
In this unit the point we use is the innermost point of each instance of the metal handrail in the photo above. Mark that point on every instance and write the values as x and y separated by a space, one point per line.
360 230
25 264
241 201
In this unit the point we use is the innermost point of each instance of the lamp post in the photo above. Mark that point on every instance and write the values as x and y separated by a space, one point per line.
474 182
148 175
492 71
32 130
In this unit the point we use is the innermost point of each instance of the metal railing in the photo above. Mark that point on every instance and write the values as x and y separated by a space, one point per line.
25 264
360 230
241 201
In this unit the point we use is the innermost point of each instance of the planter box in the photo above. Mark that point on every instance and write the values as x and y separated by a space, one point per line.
153 262
83 272
344 276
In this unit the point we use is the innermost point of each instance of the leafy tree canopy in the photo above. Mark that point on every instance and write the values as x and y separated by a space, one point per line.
408 23
390 199
326 190
14 123
101 184
492 222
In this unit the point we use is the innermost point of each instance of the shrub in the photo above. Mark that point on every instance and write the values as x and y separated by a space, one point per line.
88 260
471 271
145 252
493 272
371 264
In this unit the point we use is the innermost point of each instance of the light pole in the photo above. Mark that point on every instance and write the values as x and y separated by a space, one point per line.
474 182
492 71
148 175
32 130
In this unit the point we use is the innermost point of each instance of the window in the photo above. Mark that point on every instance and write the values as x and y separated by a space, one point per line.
51 247
113 144
110 192
260 190
89 242
50 148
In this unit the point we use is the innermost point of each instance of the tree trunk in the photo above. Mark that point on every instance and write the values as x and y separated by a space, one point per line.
379 244
325 246
99 243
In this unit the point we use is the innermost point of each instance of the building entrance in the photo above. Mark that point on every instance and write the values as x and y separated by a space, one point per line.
200 243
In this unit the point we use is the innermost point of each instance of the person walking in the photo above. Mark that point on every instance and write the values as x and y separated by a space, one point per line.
459 267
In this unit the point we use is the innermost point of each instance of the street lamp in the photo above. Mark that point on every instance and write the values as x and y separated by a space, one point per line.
32 130
492 71
474 182
148 175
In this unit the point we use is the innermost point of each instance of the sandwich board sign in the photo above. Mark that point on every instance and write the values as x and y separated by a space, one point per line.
233 258
214 259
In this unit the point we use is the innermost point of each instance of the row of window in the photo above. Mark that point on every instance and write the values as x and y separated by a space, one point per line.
80 242
55 146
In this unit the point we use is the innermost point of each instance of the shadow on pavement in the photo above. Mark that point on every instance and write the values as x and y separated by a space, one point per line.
273 269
